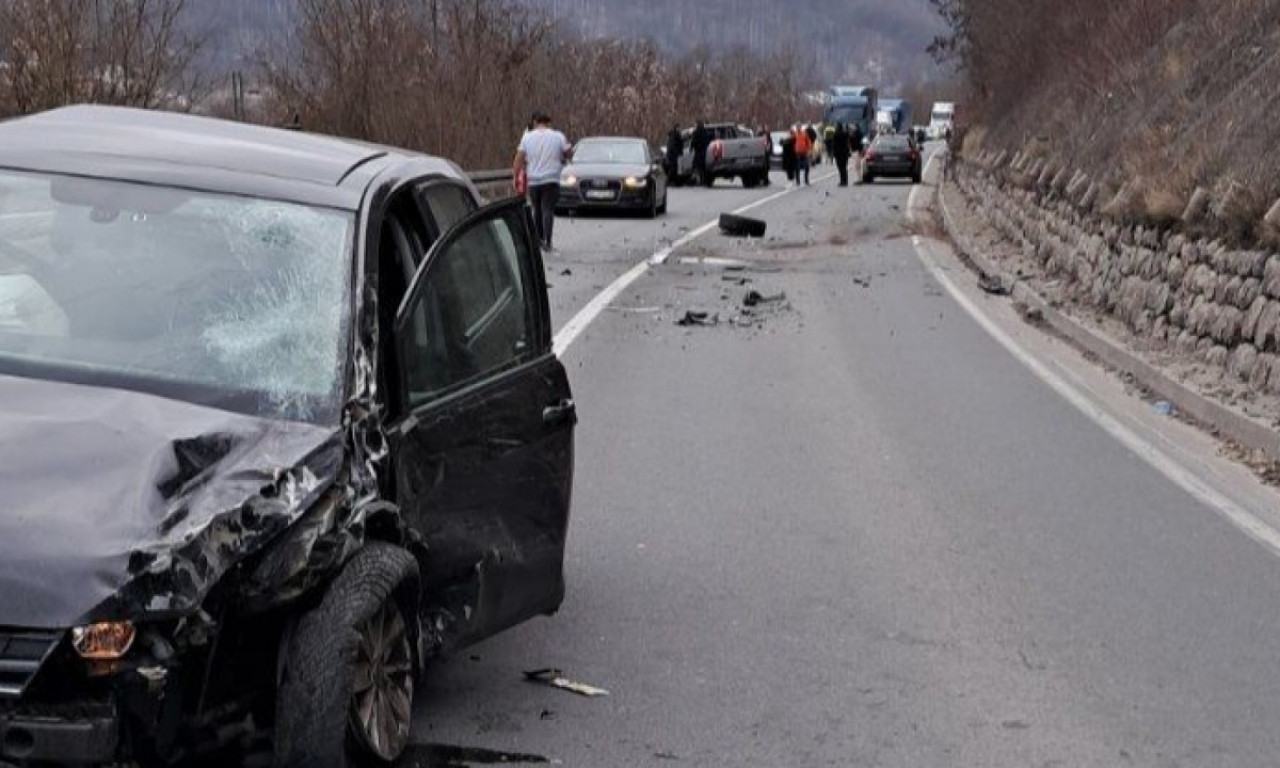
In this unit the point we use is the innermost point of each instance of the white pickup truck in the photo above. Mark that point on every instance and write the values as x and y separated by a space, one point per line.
735 151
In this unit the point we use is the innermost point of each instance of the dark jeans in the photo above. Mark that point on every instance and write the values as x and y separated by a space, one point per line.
802 167
543 198
842 165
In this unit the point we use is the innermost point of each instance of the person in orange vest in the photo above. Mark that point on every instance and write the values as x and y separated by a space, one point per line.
804 145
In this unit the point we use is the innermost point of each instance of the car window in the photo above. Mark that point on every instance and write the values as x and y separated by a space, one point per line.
446 203
220 299
473 313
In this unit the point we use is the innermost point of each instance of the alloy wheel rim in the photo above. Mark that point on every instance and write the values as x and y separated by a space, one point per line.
382 693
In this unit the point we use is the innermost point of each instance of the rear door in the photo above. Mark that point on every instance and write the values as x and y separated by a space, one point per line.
484 451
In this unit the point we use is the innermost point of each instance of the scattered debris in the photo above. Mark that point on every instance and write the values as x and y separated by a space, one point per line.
865 282
666 755
556 679
992 284
755 298
735 279
428 755
636 310
741 226
546 714
1032 315
1164 408
698 318
566 272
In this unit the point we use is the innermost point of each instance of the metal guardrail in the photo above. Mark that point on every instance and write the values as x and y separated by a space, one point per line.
492 185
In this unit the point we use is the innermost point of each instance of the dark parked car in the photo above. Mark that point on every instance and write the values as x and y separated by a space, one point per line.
617 173
892 156
279 421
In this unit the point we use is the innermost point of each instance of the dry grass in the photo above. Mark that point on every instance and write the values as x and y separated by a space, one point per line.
1179 93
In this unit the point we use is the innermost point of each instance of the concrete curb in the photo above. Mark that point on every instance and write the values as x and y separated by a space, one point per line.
1222 420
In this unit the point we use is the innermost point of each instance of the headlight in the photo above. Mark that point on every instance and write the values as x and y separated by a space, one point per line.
633 183
569 181
105 641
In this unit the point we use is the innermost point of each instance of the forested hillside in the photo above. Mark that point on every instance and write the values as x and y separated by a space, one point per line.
860 39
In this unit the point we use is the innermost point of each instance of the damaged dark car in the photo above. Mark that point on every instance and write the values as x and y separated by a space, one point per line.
280 421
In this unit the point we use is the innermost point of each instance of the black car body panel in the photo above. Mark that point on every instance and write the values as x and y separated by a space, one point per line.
212 528
165 497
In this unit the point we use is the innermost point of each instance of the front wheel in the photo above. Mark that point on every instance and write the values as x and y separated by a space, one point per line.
346 694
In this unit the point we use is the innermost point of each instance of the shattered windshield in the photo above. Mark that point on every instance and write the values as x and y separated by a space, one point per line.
235 302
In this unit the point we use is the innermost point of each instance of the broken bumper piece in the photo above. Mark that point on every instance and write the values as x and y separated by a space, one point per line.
29 739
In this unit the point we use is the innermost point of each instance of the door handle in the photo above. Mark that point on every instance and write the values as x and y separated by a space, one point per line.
565 410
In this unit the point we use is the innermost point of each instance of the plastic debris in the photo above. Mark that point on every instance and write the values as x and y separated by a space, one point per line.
992 284
556 679
755 298
698 318
1164 408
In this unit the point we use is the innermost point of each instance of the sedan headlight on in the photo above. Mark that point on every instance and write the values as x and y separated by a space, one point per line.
104 641
569 181
633 183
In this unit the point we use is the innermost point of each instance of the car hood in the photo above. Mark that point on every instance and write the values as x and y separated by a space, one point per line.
606 170
117 504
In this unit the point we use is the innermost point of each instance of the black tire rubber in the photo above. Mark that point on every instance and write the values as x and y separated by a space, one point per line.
313 703
741 226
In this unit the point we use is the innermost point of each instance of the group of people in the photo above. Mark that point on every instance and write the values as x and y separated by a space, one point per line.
543 151
841 144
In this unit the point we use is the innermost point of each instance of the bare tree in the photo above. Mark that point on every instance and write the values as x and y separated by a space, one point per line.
128 52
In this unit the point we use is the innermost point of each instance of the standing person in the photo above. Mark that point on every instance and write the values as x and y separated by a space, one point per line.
675 148
541 157
840 151
804 145
789 157
828 139
701 141
768 153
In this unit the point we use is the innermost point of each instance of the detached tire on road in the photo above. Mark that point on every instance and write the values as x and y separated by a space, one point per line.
346 694
741 226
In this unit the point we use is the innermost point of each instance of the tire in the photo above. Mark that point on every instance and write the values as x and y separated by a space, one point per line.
741 226
318 705
750 181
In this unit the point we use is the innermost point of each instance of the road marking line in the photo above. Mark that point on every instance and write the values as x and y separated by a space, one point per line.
1162 462
571 330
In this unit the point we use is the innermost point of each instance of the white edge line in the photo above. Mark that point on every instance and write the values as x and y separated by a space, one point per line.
571 330
1161 461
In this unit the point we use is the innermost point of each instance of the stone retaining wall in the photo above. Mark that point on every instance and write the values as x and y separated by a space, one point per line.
1195 296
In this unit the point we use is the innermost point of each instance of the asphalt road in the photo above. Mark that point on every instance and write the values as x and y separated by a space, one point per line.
851 529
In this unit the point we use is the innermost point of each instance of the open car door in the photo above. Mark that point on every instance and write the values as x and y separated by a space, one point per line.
484 449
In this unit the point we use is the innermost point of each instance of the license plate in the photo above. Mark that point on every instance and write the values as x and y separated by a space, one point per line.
599 194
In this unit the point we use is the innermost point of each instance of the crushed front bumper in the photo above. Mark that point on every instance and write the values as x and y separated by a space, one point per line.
88 737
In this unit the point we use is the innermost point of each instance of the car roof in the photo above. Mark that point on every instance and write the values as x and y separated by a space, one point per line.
200 152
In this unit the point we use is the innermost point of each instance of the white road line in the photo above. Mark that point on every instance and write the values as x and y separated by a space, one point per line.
1162 462
570 331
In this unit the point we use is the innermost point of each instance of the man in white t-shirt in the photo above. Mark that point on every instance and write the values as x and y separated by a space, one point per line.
541 157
